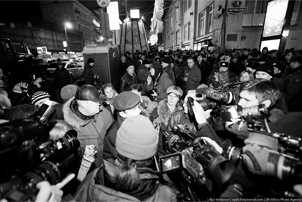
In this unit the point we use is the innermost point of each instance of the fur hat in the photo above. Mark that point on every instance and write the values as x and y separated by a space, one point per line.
39 96
69 91
126 100
136 138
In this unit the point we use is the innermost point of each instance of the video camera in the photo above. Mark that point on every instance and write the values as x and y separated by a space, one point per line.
29 159
198 161
53 169
283 163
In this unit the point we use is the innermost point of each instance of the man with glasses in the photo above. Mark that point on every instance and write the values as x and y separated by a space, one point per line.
89 118
192 76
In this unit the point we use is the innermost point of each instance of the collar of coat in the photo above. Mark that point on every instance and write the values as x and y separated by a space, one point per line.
164 113
72 116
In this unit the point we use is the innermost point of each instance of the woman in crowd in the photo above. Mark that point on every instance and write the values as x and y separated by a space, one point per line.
110 93
246 76
132 176
163 112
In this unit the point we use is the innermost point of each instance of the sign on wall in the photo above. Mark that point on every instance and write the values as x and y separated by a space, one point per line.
103 3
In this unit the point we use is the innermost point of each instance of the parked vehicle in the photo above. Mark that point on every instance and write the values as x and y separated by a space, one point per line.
75 69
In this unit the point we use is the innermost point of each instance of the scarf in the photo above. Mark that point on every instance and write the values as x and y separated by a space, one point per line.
74 108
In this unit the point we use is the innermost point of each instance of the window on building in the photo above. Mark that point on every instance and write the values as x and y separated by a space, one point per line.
189 30
187 4
201 24
177 37
295 13
171 22
177 14
210 18
186 32
256 6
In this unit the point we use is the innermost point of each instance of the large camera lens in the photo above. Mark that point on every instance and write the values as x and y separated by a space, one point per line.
55 168
224 97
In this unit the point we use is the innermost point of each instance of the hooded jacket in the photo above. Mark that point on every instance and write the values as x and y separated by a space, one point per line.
90 132
93 188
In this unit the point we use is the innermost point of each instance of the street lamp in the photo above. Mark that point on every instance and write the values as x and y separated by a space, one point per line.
67 25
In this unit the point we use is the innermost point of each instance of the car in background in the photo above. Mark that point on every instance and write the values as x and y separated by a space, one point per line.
75 69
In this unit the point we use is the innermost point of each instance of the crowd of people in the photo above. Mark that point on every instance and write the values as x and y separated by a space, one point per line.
126 123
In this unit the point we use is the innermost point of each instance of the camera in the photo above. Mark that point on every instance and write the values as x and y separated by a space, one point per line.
49 147
50 161
199 159
53 169
283 163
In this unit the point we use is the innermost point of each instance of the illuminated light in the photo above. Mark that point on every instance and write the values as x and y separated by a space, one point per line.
68 25
113 12
285 33
134 13
96 23
153 39
101 38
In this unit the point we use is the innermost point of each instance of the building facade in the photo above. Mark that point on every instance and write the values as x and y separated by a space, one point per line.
75 13
223 24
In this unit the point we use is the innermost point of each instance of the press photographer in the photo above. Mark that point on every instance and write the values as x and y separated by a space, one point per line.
255 93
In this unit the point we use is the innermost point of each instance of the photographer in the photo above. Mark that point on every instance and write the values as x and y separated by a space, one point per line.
252 94
223 76
131 177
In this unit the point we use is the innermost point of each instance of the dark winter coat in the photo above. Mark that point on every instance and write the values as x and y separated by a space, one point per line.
164 82
88 75
293 89
109 150
61 78
205 71
127 80
194 78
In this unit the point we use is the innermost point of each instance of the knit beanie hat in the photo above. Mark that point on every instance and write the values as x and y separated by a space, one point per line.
69 91
39 96
126 100
90 60
136 138
266 67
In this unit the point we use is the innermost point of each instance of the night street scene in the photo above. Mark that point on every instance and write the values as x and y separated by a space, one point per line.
150 100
